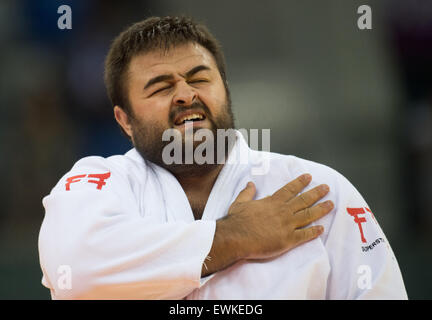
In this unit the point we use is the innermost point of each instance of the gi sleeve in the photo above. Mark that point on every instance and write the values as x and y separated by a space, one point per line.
363 265
94 244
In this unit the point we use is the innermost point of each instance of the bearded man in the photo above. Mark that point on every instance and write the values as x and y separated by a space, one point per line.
137 226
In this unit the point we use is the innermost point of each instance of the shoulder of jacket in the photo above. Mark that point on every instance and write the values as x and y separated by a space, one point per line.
318 170
121 163
119 167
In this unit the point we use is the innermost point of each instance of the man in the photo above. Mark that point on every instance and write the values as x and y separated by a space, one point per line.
140 227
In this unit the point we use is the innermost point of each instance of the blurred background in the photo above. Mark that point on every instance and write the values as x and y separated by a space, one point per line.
359 101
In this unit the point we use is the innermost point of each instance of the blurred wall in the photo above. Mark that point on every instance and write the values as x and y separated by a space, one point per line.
356 100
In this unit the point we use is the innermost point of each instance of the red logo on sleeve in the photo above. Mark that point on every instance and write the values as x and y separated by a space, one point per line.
100 179
72 180
356 212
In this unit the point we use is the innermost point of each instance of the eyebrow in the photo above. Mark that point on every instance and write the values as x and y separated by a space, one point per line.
165 77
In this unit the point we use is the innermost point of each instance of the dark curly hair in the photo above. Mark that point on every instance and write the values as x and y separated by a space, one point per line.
154 33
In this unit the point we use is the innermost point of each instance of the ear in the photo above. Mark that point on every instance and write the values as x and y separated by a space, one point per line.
123 120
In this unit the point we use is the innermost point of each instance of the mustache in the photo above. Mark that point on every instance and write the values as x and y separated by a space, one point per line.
196 106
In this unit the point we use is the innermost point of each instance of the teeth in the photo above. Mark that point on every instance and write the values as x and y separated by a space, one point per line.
190 117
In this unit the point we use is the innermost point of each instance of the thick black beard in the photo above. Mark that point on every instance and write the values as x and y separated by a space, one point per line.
147 140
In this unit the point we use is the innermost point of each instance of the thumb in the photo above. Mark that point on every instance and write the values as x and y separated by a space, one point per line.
247 193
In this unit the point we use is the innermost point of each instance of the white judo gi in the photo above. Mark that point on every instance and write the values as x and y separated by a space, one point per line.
122 228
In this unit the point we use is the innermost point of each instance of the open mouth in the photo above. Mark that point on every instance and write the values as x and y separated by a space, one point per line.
189 117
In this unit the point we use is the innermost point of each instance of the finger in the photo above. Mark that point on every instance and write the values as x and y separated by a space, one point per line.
311 214
306 234
306 199
247 193
291 189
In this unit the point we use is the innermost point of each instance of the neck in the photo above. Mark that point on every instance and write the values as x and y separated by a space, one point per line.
198 188
199 179
202 183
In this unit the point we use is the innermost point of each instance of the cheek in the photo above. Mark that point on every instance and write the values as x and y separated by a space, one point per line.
150 111
214 92
215 98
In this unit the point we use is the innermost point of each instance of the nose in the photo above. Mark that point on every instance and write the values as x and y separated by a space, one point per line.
185 95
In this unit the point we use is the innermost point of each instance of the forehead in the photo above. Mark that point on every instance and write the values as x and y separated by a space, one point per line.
176 60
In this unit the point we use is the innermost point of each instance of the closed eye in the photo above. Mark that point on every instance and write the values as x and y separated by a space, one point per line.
190 82
161 89
197 81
